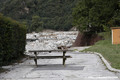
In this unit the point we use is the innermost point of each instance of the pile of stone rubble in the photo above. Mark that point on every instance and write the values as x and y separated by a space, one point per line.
50 40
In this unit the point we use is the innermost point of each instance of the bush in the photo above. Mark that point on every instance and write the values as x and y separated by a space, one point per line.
12 39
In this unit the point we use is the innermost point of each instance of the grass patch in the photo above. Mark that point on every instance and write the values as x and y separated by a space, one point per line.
109 51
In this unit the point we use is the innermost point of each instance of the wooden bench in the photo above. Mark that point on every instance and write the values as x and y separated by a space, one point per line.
49 57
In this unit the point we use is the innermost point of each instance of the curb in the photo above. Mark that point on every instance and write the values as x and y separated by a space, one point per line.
107 64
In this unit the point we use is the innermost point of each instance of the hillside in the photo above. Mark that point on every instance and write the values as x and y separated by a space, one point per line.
55 14
2 2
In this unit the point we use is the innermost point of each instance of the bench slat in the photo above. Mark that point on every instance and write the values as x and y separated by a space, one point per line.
49 57
48 50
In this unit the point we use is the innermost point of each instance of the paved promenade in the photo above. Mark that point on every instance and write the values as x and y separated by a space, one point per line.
81 66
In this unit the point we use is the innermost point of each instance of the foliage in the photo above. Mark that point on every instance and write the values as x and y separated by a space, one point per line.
36 24
12 39
55 14
2 2
92 15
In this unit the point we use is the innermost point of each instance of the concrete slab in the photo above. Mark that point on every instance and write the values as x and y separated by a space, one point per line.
81 66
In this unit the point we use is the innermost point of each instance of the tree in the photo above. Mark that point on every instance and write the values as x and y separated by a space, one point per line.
92 15
115 20
36 24
51 12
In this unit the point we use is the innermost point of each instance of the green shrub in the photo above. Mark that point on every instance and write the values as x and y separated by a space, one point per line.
12 39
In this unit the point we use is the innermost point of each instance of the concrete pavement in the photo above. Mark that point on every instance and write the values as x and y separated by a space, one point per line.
82 66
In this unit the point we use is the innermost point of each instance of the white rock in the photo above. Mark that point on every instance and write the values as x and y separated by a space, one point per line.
50 40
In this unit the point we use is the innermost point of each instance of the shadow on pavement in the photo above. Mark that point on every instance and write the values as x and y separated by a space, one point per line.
58 67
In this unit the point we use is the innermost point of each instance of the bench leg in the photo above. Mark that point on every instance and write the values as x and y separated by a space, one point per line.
64 57
35 59
64 61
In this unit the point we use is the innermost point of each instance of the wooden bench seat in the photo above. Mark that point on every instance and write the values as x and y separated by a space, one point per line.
49 57
36 52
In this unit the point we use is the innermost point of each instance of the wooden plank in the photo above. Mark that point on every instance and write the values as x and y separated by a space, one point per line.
48 50
49 57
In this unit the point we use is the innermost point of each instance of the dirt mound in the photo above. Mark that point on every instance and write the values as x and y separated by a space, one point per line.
86 39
